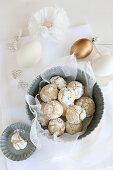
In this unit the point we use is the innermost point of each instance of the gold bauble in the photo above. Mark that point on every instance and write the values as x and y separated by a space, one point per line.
82 48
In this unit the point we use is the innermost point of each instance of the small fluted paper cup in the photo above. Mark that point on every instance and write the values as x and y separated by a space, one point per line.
6 146
81 77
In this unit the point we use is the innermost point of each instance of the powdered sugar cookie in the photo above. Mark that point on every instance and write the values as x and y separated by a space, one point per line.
56 126
43 121
73 128
49 93
75 114
66 96
53 110
88 104
58 81
42 108
77 87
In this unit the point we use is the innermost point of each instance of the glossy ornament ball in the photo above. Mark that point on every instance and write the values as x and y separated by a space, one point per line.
103 65
29 54
82 48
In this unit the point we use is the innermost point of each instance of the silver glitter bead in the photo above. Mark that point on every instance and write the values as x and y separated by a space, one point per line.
16 73
22 84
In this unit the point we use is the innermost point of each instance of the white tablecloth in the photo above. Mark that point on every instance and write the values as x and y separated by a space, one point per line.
93 152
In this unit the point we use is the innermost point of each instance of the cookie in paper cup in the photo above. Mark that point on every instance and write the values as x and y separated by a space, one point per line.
92 89
7 147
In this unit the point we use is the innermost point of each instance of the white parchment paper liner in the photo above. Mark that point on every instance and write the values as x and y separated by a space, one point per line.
67 68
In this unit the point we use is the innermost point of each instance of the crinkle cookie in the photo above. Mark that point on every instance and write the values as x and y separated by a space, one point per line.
56 126
53 110
75 114
77 87
49 93
73 128
43 121
88 104
58 81
66 96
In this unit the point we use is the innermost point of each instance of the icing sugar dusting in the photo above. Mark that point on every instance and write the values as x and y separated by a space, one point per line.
50 89
43 121
75 114
49 92
77 87
84 102
57 124
59 81
83 115
18 142
53 109
67 96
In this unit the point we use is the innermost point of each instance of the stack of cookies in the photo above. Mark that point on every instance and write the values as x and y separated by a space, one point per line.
64 106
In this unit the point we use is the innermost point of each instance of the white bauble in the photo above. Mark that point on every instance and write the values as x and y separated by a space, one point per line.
103 66
29 54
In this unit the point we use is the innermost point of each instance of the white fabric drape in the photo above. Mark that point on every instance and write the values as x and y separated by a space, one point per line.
93 152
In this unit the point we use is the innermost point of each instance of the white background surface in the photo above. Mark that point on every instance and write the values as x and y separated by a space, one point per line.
14 15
